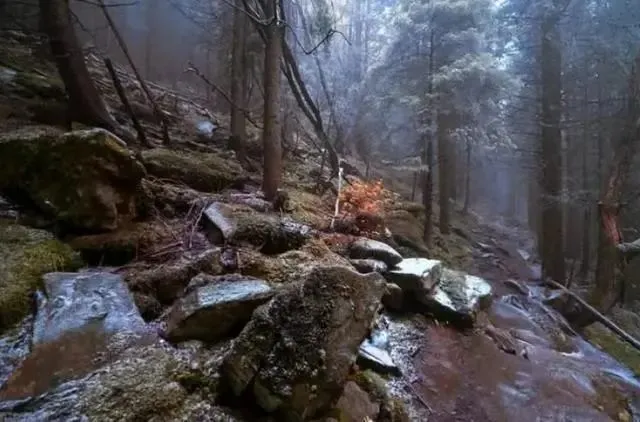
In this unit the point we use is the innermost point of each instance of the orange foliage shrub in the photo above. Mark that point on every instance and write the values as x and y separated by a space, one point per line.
362 197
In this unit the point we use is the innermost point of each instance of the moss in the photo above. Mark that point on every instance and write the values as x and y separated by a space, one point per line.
203 172
611 344
309 209
25 255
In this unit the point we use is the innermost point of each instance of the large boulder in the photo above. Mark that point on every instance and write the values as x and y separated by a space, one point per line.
25 255
206 172
215 306
295 354
458 297
86 179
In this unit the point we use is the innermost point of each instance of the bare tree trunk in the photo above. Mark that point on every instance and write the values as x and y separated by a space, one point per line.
238 82
467 180
85 103
123 46
444 176
271 131
553 264
586 217
427 195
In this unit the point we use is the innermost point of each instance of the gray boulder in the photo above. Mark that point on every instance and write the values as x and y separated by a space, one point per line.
364 248
294 356
458 297
417 276
214 306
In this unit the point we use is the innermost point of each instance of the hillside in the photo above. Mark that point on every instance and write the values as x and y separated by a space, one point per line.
157 283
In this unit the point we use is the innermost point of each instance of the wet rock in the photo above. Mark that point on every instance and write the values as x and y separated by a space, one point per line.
166 281
376 359
25 255
15 344
355 405
297 366
206 172
458 297
87 179
393 297
364 248
214 307
143 383
7 209
416 276
240 224
75 300
369 266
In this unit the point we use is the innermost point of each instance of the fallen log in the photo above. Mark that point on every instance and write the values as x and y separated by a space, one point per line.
597 316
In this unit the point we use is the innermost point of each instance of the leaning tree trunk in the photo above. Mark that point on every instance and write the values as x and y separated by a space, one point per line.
552 243
271 130
85 102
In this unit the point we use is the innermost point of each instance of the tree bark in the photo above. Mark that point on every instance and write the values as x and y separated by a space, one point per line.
467 180
85 103
444 176
427 194
271 131
553 264
239 82
586 217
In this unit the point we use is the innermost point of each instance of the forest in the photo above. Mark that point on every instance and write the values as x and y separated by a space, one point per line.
319 210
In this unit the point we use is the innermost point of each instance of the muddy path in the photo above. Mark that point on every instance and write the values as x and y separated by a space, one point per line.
522 363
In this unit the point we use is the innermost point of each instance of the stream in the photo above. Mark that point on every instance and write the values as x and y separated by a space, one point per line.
550 373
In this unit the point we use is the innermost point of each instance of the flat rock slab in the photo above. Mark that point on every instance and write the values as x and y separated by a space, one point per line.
416 275
215 306
73 301
458 297
364 248
376 359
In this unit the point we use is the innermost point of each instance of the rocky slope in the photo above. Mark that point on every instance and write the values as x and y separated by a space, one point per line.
158 284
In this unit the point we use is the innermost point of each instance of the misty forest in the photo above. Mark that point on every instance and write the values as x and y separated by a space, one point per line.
320 210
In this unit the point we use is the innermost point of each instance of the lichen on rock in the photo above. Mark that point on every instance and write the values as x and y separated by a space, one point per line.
87 179
25 255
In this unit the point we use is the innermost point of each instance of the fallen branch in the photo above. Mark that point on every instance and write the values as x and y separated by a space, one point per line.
125 101
598 316
123 46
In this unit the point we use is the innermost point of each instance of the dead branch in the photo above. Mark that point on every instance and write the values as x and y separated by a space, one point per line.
598 316
123 46
125 101
215 88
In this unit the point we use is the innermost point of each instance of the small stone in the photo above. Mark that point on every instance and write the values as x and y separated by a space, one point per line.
376 359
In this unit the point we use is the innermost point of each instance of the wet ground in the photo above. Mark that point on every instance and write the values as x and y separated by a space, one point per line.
524 363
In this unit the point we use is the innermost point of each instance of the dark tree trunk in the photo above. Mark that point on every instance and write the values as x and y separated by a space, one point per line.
553 265
586 216
444 175
427 194
271 130
238 82
467 179
85 103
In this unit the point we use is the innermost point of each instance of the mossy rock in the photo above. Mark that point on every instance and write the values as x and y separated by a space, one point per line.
610 343
25 255
203 172
392 409
87 180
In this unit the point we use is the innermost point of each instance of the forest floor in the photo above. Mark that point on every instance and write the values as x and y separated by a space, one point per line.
521 362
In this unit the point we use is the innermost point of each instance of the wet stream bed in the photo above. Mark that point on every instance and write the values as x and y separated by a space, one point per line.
522 363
